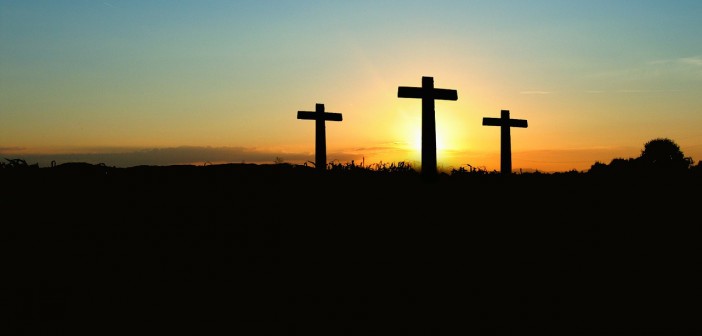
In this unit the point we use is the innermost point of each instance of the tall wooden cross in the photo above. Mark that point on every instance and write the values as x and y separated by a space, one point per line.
428 94
319 116
505 124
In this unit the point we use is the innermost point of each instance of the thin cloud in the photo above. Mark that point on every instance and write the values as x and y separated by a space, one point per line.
645 91
683 67
11 149
656 76
381 148
190 155
694 61
165 156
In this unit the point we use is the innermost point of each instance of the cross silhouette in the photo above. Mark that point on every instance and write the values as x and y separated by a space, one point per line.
428 94
505 124
319 116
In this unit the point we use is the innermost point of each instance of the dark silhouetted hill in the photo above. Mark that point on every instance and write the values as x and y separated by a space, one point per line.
281 249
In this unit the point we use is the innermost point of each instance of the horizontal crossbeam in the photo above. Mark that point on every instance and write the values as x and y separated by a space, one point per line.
499 122
310 115
418 92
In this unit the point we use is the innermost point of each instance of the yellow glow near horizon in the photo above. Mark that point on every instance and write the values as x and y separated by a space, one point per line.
416 144
449 136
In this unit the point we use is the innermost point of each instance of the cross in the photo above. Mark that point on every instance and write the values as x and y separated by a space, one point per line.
505 124
319 116
428 94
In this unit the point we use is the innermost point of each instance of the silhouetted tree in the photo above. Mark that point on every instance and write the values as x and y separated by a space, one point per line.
618 166
663 155
697 169
598 168
659 156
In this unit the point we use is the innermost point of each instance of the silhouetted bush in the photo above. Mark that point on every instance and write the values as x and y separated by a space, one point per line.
17 164
659 157
663 155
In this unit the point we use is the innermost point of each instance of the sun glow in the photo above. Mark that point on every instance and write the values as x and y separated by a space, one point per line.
416 143
453 132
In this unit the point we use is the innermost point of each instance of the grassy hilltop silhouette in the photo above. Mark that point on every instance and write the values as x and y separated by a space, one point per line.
287 249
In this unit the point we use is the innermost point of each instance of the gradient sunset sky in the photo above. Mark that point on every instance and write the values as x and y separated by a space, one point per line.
127 83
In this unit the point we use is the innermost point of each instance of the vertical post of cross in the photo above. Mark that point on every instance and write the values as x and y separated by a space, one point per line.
319 116
505 124
428 94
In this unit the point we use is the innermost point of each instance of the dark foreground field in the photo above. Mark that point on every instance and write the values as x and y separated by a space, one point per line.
281 250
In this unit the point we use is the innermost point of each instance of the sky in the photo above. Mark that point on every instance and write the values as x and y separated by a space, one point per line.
152 82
